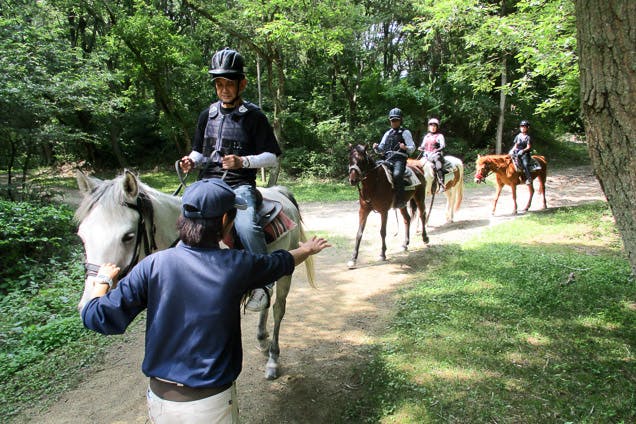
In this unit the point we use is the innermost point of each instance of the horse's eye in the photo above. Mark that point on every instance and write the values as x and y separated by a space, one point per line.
128 237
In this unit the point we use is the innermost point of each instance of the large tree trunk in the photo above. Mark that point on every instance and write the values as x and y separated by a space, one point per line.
606 33
502 106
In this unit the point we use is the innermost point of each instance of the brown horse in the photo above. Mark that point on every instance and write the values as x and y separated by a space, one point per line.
507 174
376 194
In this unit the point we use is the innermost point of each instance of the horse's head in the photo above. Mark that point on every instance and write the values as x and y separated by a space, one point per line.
116 223
482 169
359 163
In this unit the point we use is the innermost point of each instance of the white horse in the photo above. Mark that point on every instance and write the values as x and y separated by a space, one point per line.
123 220
453 184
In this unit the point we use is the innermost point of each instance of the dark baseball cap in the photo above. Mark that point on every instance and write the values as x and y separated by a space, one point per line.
210 198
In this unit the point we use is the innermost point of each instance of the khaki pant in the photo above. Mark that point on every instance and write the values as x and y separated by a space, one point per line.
217 409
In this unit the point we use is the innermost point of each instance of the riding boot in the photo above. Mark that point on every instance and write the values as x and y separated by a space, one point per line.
440 180
398 200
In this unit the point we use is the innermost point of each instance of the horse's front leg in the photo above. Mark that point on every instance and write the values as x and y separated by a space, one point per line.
530 195
383 234
513 189
262 336
363 214
497 193
272 369
407 228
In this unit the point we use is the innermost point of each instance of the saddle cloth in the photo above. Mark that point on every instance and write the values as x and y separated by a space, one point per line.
533 165
272 219
410 179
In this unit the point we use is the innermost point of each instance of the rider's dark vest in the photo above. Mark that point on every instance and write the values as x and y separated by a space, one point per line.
430 142
224 135
393 140
521 141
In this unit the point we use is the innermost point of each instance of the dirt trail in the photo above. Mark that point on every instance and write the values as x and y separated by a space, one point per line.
326 332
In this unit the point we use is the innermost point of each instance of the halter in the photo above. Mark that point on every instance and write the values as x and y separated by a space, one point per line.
143 206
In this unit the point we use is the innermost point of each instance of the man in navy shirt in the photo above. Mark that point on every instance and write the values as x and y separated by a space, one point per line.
192 294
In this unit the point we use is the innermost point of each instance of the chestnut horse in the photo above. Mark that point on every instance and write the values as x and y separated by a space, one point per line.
376 194
507 174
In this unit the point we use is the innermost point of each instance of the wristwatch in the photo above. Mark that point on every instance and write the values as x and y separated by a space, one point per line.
245 162
104 279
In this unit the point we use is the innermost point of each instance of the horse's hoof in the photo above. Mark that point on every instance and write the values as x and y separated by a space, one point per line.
271 373
405 248
382 258
351 264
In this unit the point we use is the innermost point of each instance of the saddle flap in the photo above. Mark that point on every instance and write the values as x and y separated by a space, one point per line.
410 179
268 210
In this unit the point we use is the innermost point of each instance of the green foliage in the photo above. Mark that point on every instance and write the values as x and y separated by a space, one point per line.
511 326
30 232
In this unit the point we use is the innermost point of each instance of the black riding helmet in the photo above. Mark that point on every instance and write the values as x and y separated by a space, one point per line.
524 123
227 63
395 113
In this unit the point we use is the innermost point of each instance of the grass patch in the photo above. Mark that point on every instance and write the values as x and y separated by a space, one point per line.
533 321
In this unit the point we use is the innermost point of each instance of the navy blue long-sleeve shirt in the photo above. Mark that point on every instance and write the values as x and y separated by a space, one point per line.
192 297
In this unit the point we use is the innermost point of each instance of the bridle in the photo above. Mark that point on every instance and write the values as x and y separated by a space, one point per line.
143 206
483 173
362 175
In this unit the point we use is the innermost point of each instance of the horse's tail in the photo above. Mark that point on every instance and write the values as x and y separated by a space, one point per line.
460 187
309 262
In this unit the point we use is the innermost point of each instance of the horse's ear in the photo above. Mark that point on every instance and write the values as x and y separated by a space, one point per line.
131 184
85 183
478 155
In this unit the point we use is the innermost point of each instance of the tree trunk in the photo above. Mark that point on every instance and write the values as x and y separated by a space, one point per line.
607 57
502 106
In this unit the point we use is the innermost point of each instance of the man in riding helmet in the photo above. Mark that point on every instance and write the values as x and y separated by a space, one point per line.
520 151
233 138
432 148
396 146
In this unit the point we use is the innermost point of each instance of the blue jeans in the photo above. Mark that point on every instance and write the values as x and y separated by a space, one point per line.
246 221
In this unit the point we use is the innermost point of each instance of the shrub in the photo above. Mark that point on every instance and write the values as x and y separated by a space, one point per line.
30 232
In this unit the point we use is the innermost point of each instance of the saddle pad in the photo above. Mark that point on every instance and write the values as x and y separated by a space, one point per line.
410 179
534 165
278 227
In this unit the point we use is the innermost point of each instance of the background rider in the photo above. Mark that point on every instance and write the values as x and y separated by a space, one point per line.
396 146
521 150
432 149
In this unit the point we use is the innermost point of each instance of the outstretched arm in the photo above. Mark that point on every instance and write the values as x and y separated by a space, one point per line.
308 248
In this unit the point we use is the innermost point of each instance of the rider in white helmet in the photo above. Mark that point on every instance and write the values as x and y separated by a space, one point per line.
432 148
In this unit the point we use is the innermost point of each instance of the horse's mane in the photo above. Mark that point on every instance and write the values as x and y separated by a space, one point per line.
110 194
493 158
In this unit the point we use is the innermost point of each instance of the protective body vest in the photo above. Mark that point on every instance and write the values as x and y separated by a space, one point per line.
393 140
430 142
521 141
225 133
